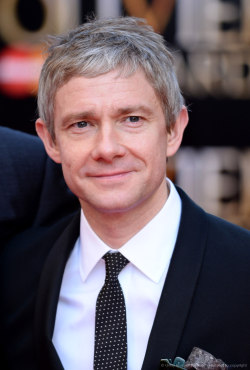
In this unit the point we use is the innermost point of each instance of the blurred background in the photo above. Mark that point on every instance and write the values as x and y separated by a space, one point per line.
211 42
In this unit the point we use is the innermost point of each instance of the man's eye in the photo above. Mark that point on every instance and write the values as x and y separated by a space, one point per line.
134 119
81 124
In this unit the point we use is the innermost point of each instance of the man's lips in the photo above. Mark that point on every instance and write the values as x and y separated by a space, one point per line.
109 175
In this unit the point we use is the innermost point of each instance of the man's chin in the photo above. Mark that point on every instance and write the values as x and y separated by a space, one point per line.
109 208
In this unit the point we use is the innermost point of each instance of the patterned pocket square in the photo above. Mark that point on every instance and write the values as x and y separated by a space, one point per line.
197 360
200 360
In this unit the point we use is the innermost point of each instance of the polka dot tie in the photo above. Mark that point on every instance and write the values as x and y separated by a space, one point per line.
110 322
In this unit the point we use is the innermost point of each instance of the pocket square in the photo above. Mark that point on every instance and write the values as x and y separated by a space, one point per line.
200 360
197 360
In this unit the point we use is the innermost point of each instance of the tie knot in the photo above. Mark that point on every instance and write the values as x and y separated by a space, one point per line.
114 262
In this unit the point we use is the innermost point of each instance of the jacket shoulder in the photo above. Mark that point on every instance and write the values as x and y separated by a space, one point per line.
218 233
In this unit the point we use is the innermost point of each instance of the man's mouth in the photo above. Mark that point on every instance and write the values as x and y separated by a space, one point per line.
111 174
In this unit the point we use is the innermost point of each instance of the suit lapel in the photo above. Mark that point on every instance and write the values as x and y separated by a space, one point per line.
48 294
179 287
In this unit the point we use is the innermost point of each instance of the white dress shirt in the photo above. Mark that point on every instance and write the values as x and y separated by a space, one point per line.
142 280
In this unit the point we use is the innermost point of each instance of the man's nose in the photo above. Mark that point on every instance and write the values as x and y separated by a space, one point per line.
108 144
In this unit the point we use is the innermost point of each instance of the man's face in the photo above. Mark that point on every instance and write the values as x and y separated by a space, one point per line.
112 141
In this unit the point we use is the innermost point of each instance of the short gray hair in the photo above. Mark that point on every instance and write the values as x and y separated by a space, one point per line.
102 45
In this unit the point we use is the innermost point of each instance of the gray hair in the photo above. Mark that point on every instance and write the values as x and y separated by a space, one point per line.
100 46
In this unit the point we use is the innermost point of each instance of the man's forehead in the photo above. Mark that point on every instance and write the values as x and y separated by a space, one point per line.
110 83
115 75
108 94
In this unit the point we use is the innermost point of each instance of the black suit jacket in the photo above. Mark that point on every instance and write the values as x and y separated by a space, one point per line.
205 301
32 188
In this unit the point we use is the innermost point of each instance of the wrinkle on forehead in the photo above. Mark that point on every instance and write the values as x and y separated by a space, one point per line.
89 95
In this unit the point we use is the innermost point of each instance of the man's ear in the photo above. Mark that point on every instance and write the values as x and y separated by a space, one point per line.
174 137
49 143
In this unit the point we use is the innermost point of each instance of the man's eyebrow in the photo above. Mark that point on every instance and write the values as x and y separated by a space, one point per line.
88 114
76 116
135 108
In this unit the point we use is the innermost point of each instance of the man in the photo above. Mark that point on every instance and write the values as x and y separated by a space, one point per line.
33 192
111 112
28 180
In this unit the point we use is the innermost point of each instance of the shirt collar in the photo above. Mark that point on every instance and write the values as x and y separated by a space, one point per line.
150 250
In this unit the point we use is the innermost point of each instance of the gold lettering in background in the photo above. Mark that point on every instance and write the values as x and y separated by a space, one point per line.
157 13
59 16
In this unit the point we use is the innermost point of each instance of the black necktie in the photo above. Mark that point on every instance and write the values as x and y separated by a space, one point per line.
110 321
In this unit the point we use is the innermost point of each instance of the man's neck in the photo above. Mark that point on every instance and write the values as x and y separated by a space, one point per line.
116 228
